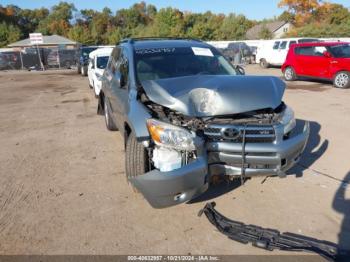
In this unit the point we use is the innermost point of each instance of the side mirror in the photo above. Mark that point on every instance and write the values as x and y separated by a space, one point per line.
119 79
240 70
327 54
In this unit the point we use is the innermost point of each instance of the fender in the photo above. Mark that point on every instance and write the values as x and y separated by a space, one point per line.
137 116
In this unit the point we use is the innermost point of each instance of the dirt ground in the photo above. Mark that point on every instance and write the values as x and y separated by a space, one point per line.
63 189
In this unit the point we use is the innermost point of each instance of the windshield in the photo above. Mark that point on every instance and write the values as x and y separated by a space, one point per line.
340 51
101 62
159 63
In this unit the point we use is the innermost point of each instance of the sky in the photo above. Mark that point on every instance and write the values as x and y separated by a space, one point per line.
253 9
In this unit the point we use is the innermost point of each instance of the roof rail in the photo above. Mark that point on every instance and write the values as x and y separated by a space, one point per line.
150 38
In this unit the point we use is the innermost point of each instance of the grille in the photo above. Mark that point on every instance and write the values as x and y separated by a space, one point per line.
254 133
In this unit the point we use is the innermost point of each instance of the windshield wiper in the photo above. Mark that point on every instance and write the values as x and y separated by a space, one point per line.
271 239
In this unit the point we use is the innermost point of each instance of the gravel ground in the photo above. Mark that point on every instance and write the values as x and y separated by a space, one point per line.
63 189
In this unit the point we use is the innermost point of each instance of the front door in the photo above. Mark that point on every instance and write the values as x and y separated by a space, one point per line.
120 87
319 64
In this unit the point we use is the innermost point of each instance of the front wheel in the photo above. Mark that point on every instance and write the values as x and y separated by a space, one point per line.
342 80
136 158
289 74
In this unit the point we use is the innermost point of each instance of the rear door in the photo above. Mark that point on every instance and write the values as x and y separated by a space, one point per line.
272 58
303 60
282 53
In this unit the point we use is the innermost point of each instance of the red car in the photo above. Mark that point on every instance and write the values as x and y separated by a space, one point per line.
329 61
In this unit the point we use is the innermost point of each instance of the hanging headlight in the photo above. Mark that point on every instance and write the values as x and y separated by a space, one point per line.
171 136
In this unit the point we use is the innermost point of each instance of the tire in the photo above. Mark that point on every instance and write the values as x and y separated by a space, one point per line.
289 74
108 116
264 64
342 80
83 71
93 88
136 158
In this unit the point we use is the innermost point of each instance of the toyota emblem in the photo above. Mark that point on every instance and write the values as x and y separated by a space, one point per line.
230 133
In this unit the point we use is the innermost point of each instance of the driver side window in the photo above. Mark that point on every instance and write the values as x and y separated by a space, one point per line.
123 67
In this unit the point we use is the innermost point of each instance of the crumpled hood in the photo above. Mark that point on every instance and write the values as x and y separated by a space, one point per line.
213 95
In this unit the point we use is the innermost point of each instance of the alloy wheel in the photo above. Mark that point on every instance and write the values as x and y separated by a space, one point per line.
341 80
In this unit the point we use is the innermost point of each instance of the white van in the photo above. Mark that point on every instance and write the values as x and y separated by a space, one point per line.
274 52
98 60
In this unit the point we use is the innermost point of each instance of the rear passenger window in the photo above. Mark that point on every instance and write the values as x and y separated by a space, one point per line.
123 66
276 45
311 50
306 50
319 50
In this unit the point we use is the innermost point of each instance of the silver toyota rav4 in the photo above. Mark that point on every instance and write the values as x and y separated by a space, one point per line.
186 114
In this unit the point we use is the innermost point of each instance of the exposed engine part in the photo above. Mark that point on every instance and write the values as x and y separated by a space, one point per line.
265 116
166 159
271 239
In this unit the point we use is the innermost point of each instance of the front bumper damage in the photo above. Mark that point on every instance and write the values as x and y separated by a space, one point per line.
164 189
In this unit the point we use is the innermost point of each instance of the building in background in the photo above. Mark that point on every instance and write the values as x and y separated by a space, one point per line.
277 29
54 52
49 41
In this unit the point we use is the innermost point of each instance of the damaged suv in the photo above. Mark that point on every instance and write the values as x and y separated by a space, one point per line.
186 114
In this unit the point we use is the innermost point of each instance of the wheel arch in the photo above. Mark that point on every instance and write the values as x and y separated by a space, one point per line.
127 132
335 72
100 105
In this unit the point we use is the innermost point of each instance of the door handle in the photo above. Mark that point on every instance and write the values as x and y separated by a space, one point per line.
334 62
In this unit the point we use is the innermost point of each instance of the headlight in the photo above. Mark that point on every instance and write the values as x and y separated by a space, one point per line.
170 136
288 120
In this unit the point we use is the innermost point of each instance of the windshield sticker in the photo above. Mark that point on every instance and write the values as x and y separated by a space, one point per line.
154 51
202 51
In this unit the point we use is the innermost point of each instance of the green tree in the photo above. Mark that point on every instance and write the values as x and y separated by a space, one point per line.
234 27
58 21
8 33
81 34
169 22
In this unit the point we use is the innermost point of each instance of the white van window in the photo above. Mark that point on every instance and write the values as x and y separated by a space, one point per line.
276 45
283 45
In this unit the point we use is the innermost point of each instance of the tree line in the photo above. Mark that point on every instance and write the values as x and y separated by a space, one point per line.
312 18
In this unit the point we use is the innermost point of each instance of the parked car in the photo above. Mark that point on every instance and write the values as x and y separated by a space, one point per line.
97 64
83 59
67 57
330 61
9 60
238 53
186 115
274 52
